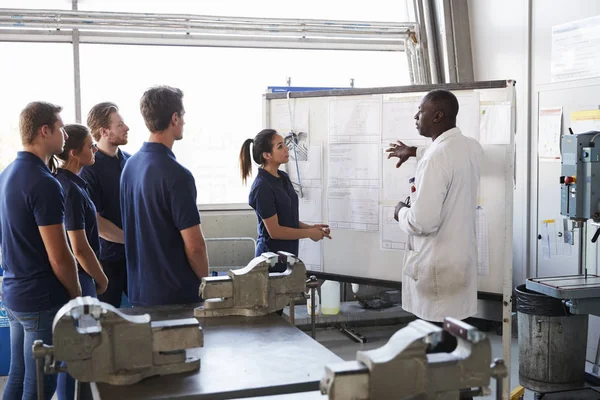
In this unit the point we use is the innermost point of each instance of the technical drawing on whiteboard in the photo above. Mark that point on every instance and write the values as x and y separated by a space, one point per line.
311 254
353 208
310 206
392 237
354 165
288 116
311 170
355 120
396 186
398 117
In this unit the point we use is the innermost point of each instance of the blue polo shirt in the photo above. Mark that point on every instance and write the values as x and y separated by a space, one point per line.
80 213
158 200
31 197
103 179
272 195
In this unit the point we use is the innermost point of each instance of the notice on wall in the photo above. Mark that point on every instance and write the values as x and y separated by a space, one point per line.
549 129
585 121
576 50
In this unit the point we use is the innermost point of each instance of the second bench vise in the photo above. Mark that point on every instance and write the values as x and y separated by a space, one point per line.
252 290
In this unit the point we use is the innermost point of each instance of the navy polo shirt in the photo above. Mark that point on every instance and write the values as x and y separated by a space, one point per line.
272 195
80 213
103 179
31 197
158 200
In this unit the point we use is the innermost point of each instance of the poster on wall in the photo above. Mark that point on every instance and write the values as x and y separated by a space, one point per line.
576 50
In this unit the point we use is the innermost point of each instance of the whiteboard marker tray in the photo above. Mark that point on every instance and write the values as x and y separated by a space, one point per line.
566 287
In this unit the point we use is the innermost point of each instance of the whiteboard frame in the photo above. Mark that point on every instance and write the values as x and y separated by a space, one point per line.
507 279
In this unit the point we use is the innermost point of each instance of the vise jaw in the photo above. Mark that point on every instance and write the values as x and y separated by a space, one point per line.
252 290
98 343
402 369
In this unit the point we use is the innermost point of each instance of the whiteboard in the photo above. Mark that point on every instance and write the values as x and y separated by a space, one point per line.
350 122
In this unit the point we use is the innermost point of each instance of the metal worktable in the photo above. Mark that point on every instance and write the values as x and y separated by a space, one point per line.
241 357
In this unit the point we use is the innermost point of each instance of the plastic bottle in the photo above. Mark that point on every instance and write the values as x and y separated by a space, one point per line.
330 298
317 303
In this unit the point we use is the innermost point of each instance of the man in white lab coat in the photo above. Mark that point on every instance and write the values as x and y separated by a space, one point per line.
440 266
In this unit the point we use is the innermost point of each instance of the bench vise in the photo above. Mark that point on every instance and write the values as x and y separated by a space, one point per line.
252 290
98 343
402 369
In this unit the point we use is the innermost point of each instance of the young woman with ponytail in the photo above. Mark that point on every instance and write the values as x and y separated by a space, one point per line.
273 198
80 222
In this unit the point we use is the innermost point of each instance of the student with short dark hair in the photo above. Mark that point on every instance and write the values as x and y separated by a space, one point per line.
164 244
40 273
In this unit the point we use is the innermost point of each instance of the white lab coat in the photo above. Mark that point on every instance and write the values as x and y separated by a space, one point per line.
440 265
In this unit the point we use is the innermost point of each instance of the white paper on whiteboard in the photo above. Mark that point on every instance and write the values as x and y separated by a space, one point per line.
354 165
310 205
311 171
355 120
392 237
468 114
398 117
353 208
395 186
311 254
289 115
495 124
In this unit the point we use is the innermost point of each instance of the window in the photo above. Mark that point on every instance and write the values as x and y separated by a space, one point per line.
30 72
223 90
38 4
374 10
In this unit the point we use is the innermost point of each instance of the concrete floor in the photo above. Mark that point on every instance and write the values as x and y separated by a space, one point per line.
345 348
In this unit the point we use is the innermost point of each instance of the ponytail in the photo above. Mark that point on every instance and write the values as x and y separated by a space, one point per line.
262 143
53 164
245 160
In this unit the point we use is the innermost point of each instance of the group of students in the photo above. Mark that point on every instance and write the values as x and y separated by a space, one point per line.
81 217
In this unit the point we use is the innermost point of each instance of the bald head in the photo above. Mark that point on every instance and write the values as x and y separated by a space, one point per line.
437 113
444 101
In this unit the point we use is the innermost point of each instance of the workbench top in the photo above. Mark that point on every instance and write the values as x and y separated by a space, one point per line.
241 357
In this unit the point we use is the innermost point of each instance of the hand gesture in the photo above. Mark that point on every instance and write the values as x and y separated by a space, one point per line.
401 151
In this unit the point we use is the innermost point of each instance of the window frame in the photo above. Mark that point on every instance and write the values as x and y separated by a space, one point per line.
72 26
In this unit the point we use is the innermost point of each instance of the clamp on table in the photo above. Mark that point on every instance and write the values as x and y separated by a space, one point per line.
252 290
98 343
402 369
